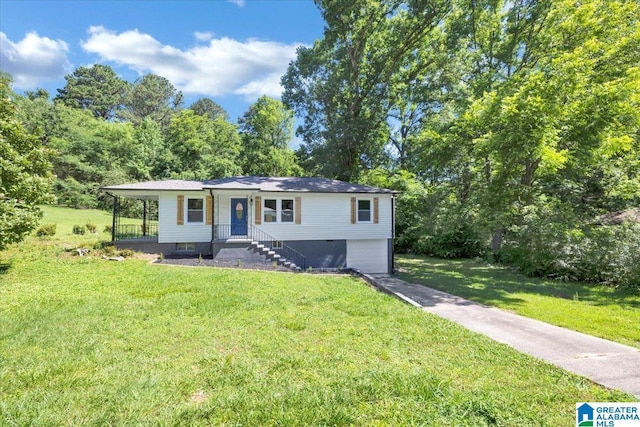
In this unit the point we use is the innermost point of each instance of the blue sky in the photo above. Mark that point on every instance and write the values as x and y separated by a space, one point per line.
230 51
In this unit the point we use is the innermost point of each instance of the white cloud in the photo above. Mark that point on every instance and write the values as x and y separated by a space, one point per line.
269 85
33 59
203 36
220 67
239 3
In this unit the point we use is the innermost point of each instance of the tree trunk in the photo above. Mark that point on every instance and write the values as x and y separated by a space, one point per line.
496 240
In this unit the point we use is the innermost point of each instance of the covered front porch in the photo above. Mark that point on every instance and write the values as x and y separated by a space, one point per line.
195 224
135 218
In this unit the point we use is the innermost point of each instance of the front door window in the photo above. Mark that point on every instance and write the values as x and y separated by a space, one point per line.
239 211
239 217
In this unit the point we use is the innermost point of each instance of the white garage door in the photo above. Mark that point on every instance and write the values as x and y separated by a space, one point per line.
368 256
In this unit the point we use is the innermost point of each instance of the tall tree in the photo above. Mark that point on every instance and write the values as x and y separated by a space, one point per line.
544 116
548 123
345 85
202 148
38 114
25 173
93 152
96 88
266 130
152 97
154 156
208 107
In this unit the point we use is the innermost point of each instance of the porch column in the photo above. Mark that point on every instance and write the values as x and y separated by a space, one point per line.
113 220
144 217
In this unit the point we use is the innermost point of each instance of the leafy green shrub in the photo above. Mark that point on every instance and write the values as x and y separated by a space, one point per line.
610 254
428 221
108 229
91 227
106 246
46 230
549 245
545 252
79 229
455 240
414 205
126 253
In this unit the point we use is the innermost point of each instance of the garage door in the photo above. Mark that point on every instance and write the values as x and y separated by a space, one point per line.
368 256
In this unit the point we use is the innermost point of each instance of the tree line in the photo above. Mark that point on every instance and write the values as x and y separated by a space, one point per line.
512 128
105 131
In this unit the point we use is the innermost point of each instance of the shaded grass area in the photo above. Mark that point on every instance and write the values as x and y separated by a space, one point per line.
597 310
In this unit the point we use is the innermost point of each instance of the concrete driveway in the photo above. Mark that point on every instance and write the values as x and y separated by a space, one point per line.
607 363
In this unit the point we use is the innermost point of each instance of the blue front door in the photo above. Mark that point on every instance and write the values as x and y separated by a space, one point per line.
238 217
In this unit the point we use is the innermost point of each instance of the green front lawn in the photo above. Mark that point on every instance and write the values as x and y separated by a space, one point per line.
87 341
601 311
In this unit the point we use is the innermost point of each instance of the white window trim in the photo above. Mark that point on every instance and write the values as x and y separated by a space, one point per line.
279 210
186 210
370 200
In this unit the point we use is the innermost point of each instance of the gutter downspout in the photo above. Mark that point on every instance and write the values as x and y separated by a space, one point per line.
213 222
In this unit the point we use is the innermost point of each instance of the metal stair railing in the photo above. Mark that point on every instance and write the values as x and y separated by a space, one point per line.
284 251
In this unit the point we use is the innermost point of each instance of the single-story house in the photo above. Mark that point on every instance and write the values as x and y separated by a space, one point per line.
299 222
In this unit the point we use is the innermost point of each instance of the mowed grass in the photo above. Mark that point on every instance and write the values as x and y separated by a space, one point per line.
87 341
605 312
66 218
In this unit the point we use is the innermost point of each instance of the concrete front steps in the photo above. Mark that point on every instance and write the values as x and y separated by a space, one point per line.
272 255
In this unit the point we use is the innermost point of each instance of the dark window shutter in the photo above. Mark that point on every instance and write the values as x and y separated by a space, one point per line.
258 210
375 210
209 210
180 213
298 212
353 210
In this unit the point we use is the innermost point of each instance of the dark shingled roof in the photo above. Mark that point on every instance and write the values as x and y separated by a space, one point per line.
273 184
296 184
170 184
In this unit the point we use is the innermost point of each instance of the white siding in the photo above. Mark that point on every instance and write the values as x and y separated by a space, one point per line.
323 217
328 217
368 256
169 231
223 214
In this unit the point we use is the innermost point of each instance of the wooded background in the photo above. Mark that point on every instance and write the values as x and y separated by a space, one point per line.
512 128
